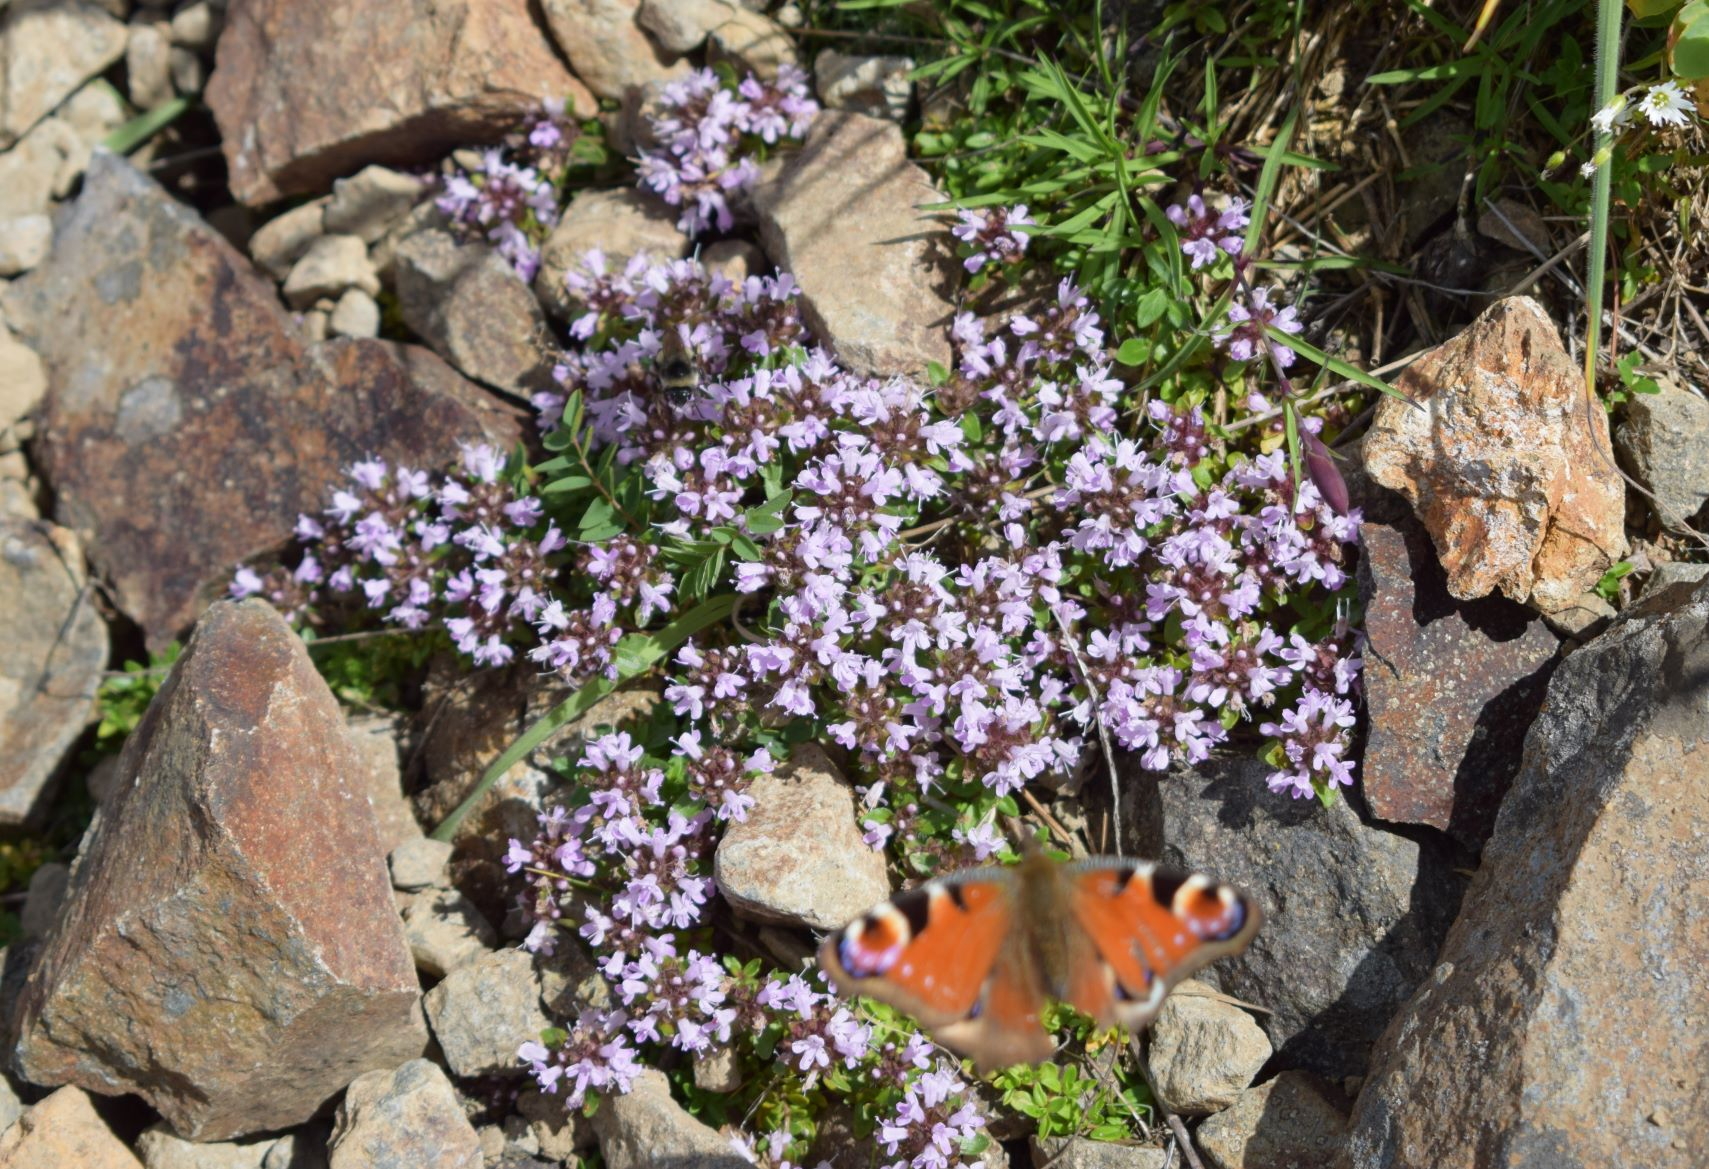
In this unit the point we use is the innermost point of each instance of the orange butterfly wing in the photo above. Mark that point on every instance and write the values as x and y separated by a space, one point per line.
1151 928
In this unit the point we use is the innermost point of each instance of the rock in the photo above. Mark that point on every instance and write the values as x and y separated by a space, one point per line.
10 1106
484 1010
409 1116
1499 456
606 48
1295 1119
197 25
717 1070
356 314
331 264
421 864
1451 687
620 223
737 259
560 1135
280 242
48 49
46 899
749 39
877 276
378 775
161 1148
473 309
1354 914
1583 618
189 74
1080 1153
53 649
200 367
23 381
24 242
233 897
798 859
445 931
412 83
148 65
646 1128
1204 1051
1673 572
1662 443
368 203
876 86
303 1149
64 1130
1573 972
52 157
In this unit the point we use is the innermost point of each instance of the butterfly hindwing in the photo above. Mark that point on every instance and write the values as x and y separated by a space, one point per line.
1151 928
929 951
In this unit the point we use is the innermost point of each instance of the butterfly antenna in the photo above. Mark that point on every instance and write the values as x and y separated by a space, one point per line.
1073 644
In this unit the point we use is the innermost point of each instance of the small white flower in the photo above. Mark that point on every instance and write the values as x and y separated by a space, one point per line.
1588 170
1612 116
1666 105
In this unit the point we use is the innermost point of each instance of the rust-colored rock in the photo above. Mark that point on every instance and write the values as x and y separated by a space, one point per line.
306 93
877 275
229 950
1451 686
198 428
1511 472
1565 1023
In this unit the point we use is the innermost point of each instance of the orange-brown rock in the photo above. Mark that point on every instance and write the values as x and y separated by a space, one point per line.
229 949
1505 462
306 93
187 423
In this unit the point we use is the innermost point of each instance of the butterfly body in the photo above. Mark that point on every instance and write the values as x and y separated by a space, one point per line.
975 955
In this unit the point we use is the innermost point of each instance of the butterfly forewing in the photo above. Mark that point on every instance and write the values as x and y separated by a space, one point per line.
1154 927
928 951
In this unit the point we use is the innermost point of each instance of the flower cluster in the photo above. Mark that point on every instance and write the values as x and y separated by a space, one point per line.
469 555
631 840
510 198
710 136
991 237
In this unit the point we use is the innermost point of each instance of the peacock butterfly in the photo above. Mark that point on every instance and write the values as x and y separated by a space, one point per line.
974 955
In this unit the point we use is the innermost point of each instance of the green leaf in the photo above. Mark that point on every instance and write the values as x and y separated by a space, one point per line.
1267 179
1150 308
567 483
145 126
1335 365
1133 351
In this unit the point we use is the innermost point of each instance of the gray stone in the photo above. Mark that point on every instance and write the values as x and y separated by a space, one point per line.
53 649
647 1128
281 241
24 242
445 931
877 275
148 65
64 1130
331 264
876 86
10 1106
736 259
1294 1119
421 864
407 1117
161 1148
799 859
484 1010
1674 572
357 314
1353 914
1204 1052
371 201
233 897
48 49
1664 443
473 309
1575 971
607 48
1080 1153
47 163
197 25
23 381
47 897
378 774
189 71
